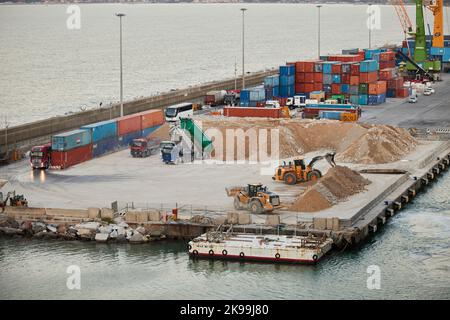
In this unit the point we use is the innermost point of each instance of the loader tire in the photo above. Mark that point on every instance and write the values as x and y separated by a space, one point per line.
255 207
314 175
290 178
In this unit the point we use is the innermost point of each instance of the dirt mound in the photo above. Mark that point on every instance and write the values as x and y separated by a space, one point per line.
380 144
353 142
337 185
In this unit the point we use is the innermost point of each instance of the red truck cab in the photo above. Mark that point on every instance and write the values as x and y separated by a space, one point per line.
40 156
143 147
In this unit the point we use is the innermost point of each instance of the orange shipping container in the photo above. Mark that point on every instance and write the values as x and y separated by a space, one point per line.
251 112
309 87
299 77
151 118
318 86
336 68
368 77
354 80
305 66
378 87
128 124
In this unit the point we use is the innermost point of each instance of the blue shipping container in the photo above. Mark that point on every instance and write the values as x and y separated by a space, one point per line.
354 99
271 81
257 94
104 146
336 78
245 95
390 93
125 140
276 91
287 70
368 53
368 66
333 115
363 99
376 99
102 130
354 90
287 91
327 66
71 140
147 131
345 88
287 80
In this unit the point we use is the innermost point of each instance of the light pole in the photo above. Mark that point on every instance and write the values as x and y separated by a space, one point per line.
120 15
243 47
318 33
370 27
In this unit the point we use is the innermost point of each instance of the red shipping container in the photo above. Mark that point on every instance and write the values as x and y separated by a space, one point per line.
65 159
309 77
354 80
309 66
362 54
336 68
396 83
354 69
386 64
368 77
378 87
318 77
387 56
251 112
299 77
128 124
402 93
318 86
345 78
345 57
299 88
336 88
387 74
299 66
309 87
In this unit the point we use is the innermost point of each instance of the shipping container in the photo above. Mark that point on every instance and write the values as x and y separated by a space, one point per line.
101 130
71 139
104 146
309 77
286 81
355 69
151 118
272 81
299 77
318 67
376 99
68 158
386 64
327 66
350 51
252 112
128 124
244 95
368 66
336 78
354 99
363 88
336 68
335 88
318 86
318 77
387 56
327 88
125 140
390 93
345 78
287 70
367 77
327 78
148 131
396 83
353 90
363 99
345 88
377 88
387 74
287 91
354 80
331 115
369 53
305 66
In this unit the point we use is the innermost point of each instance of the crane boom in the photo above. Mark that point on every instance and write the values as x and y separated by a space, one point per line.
404 19
437 8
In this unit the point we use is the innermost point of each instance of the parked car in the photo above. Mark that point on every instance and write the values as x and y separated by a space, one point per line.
412 99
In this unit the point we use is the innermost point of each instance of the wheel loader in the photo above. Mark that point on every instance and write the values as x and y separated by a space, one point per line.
254 198
297 171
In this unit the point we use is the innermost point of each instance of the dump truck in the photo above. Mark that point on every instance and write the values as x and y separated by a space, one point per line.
254 198
298 171
144 147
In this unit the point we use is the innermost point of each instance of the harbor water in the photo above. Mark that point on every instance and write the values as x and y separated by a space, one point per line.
412 253
49 69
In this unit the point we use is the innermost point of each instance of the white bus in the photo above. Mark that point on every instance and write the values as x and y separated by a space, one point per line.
182 110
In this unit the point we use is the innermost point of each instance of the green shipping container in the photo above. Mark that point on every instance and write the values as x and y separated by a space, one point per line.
338 96
363 88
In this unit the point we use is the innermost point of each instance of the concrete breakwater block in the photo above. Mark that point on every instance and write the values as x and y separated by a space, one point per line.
94 213
106 213
101 237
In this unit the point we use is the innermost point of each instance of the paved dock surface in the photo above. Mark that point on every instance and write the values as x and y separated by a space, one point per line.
429 111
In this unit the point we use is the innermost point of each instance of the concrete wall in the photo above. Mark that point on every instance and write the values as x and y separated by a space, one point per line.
22 137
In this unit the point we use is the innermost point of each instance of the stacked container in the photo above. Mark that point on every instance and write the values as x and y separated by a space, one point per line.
308 76
104 137
287 81
252 97
271 87
71 148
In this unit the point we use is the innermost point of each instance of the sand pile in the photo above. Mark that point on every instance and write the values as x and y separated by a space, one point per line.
380 144
337 185
353 142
